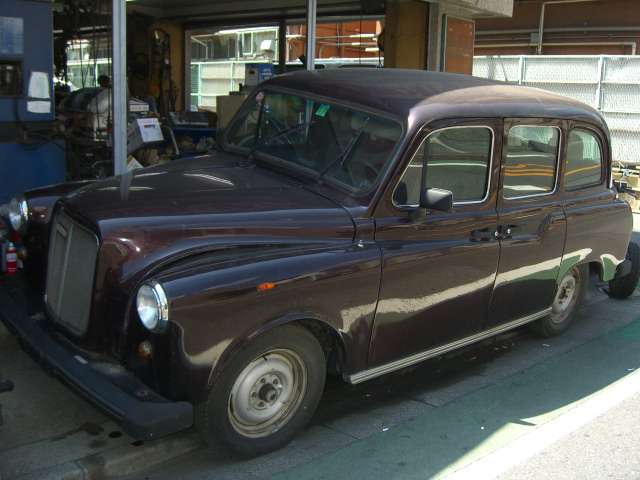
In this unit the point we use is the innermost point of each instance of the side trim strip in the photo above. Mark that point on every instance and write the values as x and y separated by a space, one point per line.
418 357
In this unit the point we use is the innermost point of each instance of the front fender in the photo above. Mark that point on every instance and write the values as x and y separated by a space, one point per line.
217 307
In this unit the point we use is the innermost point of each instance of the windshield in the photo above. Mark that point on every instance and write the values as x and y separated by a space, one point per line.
332 142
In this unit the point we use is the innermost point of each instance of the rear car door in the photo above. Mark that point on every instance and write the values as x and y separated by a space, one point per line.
438 271
596 222
531 221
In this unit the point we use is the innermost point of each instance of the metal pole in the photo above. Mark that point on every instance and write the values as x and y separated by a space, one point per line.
541 26
119 83
521 70
282 46
599 91
312 6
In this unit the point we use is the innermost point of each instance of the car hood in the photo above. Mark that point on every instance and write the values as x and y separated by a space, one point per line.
160 214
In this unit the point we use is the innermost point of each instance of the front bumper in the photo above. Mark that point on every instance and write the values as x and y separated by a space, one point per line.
143 420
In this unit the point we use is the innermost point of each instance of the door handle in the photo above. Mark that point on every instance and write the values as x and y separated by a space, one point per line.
485 234
508 231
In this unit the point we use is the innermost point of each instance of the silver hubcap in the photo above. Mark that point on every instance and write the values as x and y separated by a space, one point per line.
267 393
566 296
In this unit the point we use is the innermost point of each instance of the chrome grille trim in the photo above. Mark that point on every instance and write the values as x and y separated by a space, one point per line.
73 251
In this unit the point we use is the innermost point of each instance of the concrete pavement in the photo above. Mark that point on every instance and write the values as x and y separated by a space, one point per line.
47 432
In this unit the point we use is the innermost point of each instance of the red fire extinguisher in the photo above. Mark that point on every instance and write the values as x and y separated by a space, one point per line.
12 260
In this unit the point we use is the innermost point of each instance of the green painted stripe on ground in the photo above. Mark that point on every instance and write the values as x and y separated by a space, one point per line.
630 333
448 438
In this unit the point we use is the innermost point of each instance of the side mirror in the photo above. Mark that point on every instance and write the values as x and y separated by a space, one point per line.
433 199
436 199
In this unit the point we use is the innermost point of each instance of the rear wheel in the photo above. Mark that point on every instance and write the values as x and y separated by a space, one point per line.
569 294
624 286
266 394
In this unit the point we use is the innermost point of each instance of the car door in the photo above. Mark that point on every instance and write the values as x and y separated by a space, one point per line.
596 221
531 221
438 271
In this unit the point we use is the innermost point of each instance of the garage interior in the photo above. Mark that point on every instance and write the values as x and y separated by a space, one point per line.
92 88
85 82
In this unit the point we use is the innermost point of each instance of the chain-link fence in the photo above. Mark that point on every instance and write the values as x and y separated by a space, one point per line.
611 84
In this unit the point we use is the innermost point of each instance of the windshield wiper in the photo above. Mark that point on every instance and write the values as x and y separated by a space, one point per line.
347 150
282 133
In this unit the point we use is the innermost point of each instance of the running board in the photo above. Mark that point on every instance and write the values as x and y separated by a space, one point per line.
419 357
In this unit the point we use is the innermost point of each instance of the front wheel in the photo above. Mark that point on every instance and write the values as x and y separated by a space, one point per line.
266 394
569 294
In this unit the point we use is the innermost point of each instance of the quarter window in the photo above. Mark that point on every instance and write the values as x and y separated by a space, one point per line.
584 160
457 159
531 163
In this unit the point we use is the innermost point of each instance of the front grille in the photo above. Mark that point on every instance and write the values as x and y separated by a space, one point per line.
72 264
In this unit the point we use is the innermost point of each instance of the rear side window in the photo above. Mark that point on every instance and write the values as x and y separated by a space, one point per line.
531 163
457 159
584 160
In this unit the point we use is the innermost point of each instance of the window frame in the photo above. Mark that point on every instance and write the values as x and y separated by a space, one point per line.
559 151
403 207
598 139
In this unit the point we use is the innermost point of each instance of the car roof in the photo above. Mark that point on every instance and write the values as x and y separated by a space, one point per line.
422 96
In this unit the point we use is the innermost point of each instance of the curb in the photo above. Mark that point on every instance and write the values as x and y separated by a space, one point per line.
120 461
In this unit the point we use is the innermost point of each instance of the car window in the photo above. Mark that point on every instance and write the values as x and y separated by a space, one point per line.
584 160
531 161
348 146
457 159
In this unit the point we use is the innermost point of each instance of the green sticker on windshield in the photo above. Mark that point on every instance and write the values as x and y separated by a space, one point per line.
322 110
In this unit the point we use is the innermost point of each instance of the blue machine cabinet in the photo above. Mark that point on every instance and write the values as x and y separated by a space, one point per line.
22 169
26 65
26 44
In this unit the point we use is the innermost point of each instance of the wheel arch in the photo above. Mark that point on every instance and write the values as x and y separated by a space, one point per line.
595 266
330 339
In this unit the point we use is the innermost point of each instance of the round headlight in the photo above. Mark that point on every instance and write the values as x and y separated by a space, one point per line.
19 214
153 307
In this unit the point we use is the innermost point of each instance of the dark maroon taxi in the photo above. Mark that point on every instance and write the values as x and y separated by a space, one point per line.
352 222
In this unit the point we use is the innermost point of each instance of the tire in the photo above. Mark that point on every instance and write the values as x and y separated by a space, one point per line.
569 294
265 395
624 286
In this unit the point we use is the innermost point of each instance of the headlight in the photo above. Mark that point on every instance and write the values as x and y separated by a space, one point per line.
153 307
19 214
